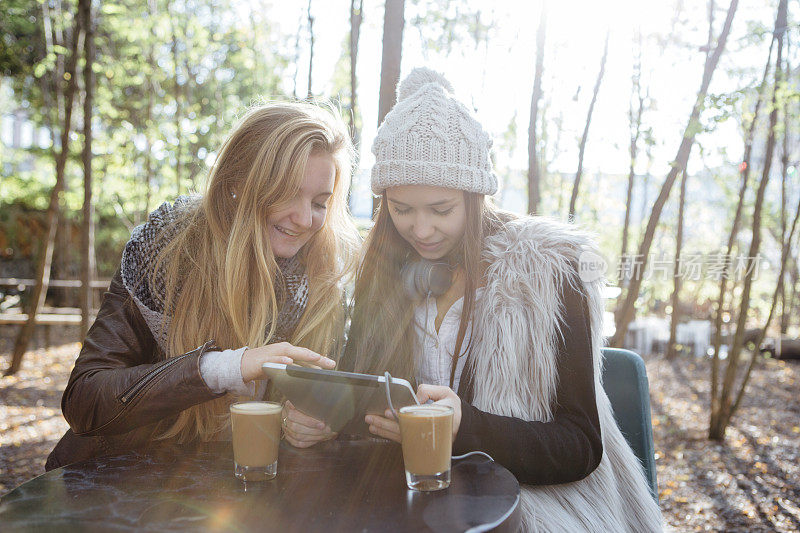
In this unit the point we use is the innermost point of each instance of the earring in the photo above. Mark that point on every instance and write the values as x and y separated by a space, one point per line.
233 195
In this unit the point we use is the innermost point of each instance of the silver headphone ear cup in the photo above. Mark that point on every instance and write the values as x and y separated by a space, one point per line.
423 277
408 276
438 279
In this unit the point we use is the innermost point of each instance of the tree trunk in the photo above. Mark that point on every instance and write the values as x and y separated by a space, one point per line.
187 96
720 417
52 36
672 351
789 310
61 266
393 22
148 144
296 59
635 117
55 36
87 240
625 312
573 200
148 155
356 17
557 123
178 105
310 93
46 257
744 170
534 175
786 248
646 183
255 39
784 177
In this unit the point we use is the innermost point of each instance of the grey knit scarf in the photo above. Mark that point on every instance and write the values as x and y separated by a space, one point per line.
147 241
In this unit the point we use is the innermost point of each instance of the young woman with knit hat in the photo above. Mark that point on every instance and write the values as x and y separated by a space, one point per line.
512 343
213 286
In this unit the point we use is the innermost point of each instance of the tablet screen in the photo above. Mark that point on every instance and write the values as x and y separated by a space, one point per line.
337 397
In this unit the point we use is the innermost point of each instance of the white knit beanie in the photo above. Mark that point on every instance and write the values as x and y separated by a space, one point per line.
430 138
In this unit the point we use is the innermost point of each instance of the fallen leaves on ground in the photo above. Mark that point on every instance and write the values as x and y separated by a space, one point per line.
749 481
30 405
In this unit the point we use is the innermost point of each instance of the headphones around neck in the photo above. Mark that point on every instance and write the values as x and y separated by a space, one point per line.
422 278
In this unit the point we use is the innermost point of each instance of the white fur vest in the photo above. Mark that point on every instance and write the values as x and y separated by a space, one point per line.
514 365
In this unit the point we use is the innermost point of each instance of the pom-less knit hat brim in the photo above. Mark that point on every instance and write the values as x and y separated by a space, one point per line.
449 175
430 138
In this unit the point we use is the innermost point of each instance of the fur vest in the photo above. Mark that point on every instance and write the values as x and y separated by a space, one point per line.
515 375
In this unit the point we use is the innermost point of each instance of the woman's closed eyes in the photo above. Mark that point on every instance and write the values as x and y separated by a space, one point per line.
407 210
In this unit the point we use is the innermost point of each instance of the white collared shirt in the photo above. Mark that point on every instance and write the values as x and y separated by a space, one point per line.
434 351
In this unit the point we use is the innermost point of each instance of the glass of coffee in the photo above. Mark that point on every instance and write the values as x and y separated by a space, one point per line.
426 434
256 428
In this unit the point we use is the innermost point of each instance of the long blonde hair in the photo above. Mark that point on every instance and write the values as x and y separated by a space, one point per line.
382 332
219 270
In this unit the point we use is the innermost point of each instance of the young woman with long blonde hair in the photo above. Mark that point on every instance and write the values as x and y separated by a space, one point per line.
213 286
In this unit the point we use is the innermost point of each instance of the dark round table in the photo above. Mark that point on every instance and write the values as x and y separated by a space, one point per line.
336 486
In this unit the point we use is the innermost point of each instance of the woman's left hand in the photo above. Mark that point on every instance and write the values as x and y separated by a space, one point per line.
442 396
388 428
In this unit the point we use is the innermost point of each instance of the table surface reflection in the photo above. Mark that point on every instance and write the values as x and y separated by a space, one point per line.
335 486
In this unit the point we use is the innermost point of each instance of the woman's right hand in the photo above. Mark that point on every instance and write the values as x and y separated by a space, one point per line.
301 430
280 352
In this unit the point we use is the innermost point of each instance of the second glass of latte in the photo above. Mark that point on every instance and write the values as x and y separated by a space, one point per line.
426 433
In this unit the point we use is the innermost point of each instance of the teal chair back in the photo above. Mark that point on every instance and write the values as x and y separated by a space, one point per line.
625 383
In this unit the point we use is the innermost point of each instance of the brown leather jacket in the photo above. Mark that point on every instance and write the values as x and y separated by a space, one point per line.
122 387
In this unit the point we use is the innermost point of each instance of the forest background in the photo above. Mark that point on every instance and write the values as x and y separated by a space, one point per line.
668 129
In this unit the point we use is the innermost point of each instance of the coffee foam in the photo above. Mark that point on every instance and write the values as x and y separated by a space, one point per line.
257 408
426 410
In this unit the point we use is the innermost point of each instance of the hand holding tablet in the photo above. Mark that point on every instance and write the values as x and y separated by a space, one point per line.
303 431
340 399
280 352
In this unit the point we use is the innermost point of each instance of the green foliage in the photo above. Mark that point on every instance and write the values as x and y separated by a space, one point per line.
341 82
19 34
173 75
171 79
444 23
721 107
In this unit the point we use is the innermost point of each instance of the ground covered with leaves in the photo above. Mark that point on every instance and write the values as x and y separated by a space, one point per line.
749 482
30 404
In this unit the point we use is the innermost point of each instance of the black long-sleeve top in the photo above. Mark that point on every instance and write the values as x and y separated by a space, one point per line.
569 447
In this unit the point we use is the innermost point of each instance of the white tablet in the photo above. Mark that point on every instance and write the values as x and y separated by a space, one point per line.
338 398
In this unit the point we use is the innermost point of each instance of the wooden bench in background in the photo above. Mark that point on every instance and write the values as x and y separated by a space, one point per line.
44 321
47 319
22 283
48 316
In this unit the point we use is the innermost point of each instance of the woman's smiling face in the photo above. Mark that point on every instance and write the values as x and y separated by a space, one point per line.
294 223
431 219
